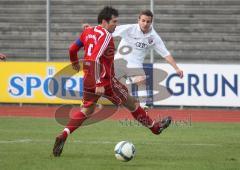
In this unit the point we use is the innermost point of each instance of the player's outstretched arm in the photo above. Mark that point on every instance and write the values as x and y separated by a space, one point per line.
2 57
73 51
172 62
85 26
162 50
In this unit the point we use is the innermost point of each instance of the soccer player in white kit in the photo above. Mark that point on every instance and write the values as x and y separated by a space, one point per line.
136 41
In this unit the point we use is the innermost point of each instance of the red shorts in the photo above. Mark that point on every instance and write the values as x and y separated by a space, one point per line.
116 92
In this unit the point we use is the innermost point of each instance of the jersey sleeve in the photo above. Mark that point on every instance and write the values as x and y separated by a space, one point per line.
74 48
159 46
121 30
102 43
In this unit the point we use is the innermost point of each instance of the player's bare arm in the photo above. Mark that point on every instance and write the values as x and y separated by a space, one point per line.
85 26
172 62
2 57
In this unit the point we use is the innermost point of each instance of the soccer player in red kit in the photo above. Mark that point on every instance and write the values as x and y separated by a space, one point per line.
99 78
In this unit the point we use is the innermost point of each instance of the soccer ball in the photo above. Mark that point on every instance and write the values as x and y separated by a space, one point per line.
124 151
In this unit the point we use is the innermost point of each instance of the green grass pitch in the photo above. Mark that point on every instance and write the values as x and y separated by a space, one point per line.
26 143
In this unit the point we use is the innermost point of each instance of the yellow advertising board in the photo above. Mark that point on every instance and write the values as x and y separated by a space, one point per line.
36 82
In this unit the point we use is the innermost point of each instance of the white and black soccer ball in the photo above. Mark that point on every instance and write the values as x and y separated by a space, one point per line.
124 151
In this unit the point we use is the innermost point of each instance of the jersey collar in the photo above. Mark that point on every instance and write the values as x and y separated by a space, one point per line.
139 29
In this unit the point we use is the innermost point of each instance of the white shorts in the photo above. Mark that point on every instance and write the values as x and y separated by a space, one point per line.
122 71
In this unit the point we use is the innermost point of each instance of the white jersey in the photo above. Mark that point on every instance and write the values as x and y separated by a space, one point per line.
135 45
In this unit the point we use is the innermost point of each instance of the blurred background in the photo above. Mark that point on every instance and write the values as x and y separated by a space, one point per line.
202 35
193 30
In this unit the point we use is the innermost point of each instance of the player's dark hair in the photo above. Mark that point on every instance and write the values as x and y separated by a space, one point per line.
106 14
146 12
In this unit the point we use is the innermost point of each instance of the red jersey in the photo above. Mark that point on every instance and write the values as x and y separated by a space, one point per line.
98 57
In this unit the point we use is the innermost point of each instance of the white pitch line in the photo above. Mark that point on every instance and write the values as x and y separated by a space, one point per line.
106 142
15 141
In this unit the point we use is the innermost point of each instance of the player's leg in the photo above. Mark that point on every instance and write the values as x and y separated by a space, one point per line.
119 95
138 77
142 93
140 115
76 120
120 69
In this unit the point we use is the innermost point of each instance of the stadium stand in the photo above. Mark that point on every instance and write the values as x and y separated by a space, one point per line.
193 30
22 29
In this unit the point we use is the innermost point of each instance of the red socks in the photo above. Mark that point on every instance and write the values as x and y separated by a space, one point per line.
141 116
76 120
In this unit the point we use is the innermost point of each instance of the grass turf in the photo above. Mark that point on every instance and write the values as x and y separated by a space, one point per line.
26 143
